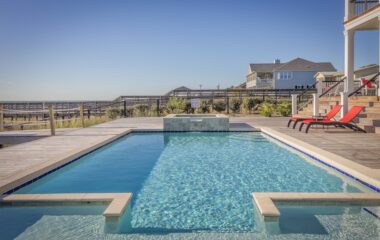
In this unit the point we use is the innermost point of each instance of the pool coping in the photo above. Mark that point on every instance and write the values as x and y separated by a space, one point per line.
117 202
265 201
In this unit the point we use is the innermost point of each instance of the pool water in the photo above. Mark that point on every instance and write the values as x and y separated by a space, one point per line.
35 222
191 182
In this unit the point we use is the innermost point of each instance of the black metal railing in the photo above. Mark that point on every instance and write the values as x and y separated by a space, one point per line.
372 80
332 87
362 6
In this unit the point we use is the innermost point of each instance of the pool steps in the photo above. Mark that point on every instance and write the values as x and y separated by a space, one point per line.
265 201
117 202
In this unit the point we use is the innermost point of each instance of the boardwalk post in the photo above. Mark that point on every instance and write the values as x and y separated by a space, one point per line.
81 113
1 117
51 119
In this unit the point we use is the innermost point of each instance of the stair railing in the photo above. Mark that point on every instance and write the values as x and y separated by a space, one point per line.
372 80
333 87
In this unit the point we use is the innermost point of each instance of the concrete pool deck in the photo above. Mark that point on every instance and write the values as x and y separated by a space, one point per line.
24 162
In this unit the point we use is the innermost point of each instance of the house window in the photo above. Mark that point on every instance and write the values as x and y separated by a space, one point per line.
284 75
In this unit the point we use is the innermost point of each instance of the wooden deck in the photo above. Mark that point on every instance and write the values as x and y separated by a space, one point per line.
25 161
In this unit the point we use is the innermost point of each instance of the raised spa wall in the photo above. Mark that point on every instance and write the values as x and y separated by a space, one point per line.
196 123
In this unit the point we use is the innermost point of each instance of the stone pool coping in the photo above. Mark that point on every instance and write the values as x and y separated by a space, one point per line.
365 175
117 202
265 201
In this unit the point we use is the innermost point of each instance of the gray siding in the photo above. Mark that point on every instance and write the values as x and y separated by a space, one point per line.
299 79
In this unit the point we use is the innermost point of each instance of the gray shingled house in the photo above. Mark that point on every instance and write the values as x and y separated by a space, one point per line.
297 73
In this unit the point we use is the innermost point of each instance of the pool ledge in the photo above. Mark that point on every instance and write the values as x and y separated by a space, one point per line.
265 201
368 176
117 202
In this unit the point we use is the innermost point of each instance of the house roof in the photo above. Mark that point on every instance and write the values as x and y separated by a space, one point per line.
182 88
298 64
179 89
264 67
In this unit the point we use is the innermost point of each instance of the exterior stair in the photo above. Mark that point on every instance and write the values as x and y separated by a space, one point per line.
369 120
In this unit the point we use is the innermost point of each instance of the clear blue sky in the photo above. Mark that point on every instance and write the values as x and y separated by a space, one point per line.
78 49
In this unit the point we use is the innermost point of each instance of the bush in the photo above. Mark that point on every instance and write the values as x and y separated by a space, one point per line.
142 109
113 113
188 109
130 111
235 105
250 103
267 109
204 107
219 106
176 105
284 109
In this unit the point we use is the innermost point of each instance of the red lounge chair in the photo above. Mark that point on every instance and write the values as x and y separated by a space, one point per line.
345 121
328 116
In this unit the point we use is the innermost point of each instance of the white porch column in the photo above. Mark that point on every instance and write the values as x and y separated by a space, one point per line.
378 87
344 103
294 104
349 44
319 86
315 104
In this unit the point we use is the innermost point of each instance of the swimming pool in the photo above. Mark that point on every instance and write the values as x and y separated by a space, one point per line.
191 182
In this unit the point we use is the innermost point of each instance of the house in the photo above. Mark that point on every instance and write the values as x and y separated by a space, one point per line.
297 73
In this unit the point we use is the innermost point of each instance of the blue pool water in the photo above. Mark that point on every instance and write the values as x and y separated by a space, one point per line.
184 182
15 220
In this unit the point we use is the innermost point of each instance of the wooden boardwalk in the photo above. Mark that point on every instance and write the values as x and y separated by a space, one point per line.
25 161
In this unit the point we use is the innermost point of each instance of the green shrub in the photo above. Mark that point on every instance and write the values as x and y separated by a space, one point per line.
176 105
142 109
130 111
188 109
235 105
219 106
250 103
204 107
267 109
284 109
113 113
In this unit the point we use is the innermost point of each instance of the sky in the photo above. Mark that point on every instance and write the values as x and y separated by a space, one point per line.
101 49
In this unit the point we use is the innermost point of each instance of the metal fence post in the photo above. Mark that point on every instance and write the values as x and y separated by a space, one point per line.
51 119
125 108
158 107
228 105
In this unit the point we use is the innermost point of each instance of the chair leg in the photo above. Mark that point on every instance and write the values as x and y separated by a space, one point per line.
290 121
295 124
300 129
308 126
